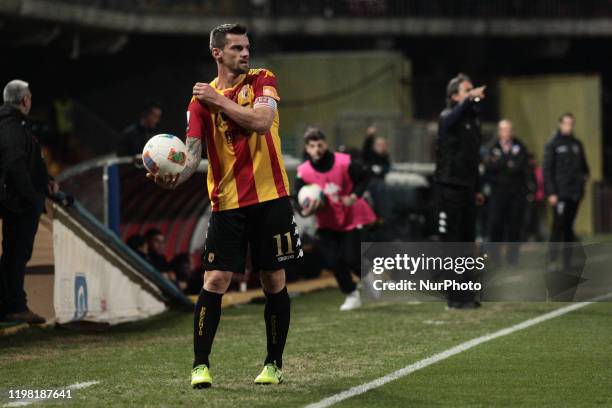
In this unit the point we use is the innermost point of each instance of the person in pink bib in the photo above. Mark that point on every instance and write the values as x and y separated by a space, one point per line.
341 214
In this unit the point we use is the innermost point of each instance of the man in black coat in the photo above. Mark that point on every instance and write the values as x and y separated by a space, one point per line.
565 173
24 182
136 136
456 176
506 164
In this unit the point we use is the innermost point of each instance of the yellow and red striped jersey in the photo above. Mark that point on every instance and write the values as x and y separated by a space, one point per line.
244 168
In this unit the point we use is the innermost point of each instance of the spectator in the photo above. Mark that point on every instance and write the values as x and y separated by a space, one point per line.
156 245
24 181
139 245
378 165
368 144
378 162
181 266
138 134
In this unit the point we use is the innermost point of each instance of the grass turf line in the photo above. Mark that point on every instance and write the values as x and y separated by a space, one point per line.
148 363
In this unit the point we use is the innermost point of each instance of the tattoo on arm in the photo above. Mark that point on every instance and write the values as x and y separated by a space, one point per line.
194 156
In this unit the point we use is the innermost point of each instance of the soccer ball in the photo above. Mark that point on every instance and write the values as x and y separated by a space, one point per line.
309 193
164 154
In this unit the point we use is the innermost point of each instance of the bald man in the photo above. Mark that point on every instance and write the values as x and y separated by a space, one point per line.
507 167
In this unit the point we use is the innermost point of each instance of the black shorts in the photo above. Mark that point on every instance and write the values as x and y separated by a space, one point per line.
268 229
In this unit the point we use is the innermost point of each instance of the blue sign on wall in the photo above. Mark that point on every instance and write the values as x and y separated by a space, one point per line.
80 297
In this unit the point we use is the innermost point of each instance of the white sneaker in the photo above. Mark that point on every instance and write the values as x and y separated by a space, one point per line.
352 301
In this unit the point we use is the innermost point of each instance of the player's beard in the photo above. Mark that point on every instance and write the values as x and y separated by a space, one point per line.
241 68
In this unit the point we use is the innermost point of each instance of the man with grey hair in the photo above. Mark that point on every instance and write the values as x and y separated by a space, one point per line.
24 181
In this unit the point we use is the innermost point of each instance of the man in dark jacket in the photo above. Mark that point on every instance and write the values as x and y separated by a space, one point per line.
24 183
565 173
136 136
456 175
506 165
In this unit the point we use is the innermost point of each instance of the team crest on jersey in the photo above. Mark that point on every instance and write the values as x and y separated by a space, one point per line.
244 95
177 157
211 256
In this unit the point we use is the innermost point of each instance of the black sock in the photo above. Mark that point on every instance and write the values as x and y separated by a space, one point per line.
277 314
206 319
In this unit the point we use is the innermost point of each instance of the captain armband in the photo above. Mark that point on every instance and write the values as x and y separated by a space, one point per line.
265 101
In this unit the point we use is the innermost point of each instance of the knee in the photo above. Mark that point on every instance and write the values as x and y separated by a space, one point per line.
273 281
217 281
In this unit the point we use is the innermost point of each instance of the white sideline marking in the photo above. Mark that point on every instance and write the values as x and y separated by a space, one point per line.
402 372
24 402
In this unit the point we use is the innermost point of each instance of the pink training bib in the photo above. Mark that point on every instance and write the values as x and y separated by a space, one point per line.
336 183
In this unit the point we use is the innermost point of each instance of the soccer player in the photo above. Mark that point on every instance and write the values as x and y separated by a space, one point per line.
236 116
341 218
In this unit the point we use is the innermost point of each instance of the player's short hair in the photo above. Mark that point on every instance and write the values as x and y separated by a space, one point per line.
218 35
15 91
153 232
567 115
135 241
149 105
313 134
452 88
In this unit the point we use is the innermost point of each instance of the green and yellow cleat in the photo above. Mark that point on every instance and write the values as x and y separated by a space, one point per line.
200 377
270 374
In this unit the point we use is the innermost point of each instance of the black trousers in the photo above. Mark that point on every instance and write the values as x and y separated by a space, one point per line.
563 230
456 222
456 218
18 232
506 211
341 252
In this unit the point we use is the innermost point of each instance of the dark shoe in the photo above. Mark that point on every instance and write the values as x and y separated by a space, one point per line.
26 316
463 305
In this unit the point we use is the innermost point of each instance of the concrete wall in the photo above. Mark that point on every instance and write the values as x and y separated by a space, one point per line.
319 88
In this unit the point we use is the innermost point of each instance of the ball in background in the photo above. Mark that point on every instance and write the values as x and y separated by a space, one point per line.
308 194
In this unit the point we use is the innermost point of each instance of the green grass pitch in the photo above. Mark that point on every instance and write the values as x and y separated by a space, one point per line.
566 361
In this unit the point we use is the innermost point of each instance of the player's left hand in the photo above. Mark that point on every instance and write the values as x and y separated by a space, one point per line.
169 181
207 94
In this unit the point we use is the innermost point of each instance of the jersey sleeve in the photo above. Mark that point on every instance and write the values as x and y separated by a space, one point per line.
265 85
197 119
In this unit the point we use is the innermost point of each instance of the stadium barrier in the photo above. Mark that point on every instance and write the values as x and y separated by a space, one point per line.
100 279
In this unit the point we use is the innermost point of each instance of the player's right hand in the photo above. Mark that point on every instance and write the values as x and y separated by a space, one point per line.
478 92
168 181
553 199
